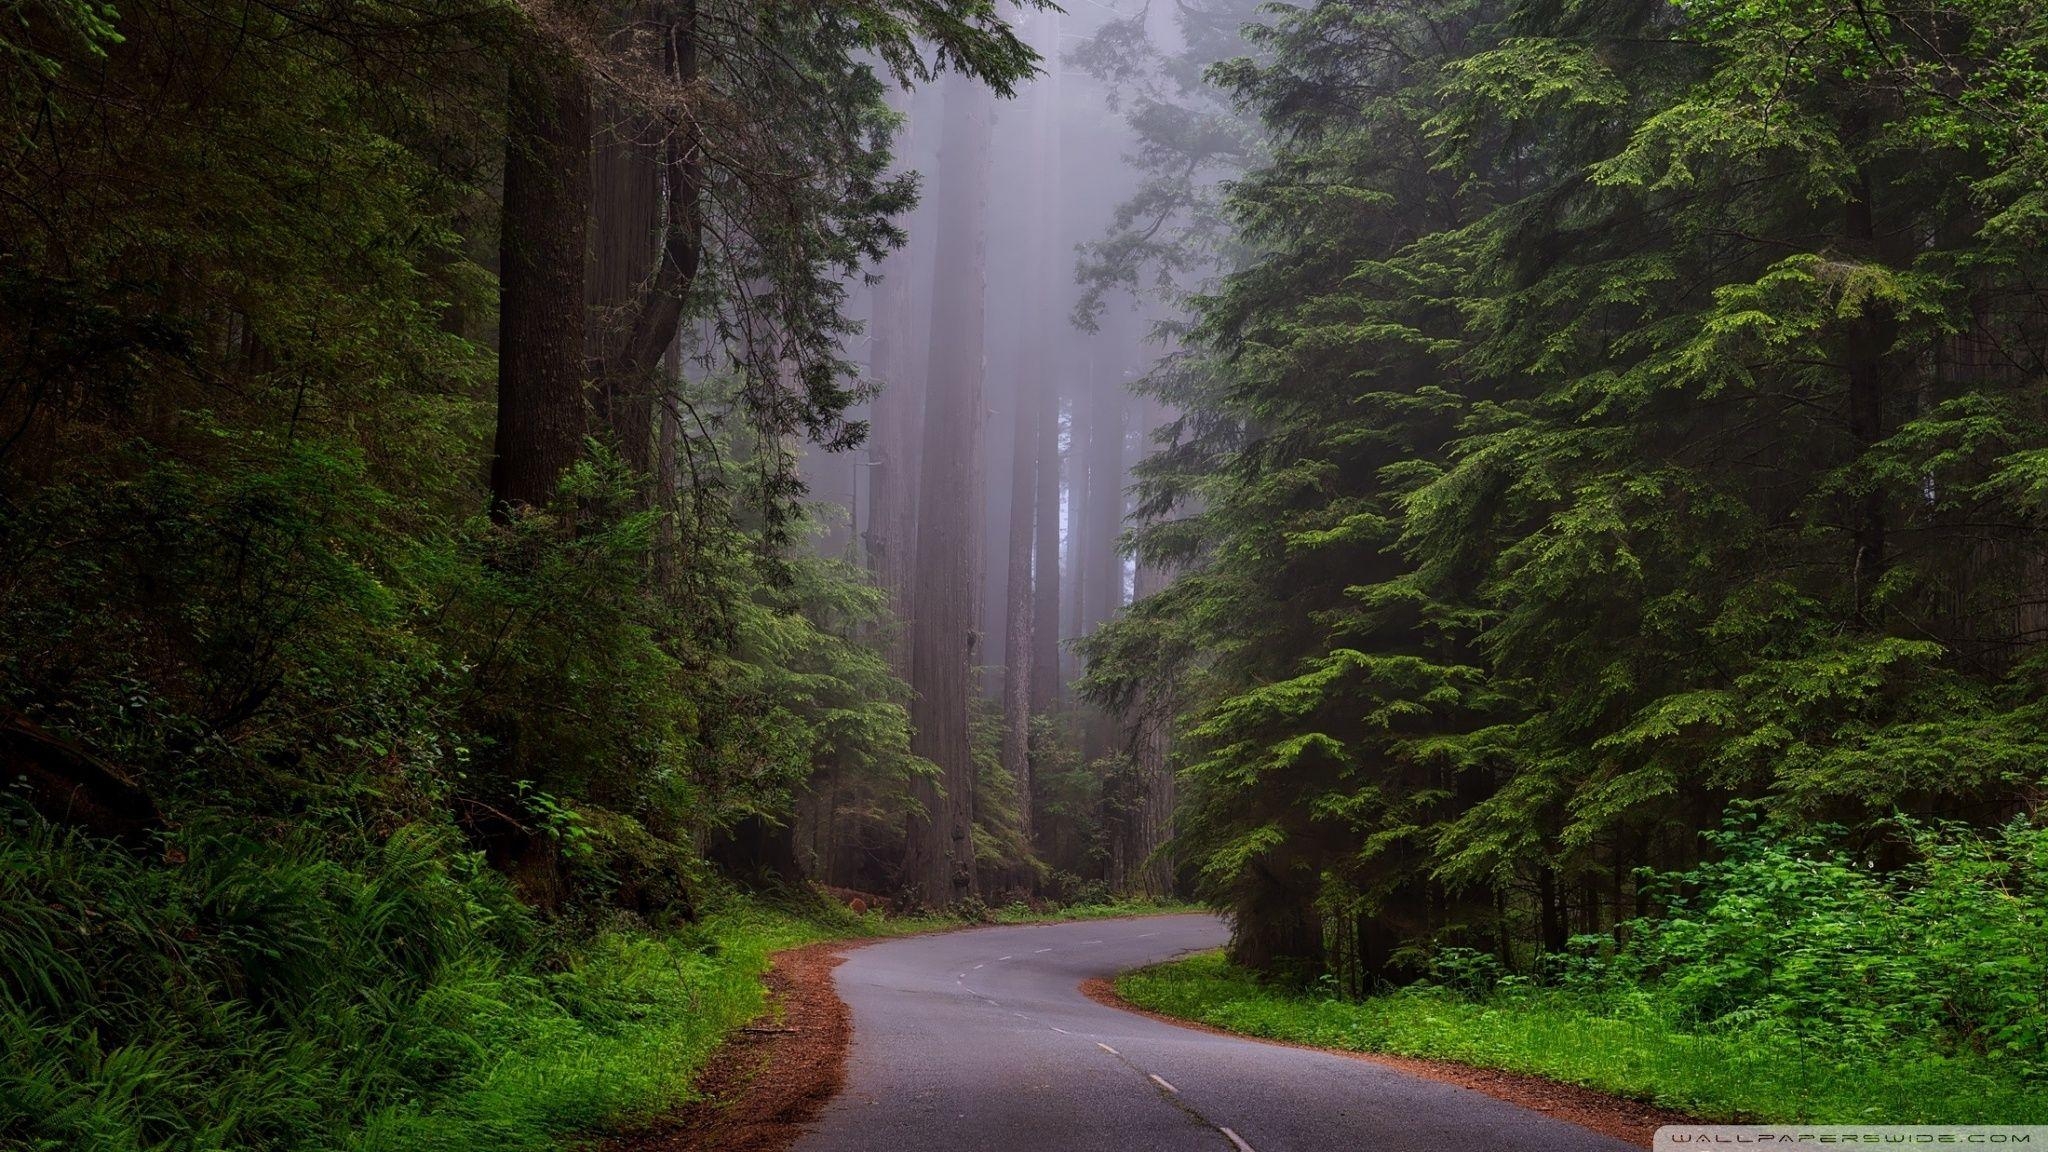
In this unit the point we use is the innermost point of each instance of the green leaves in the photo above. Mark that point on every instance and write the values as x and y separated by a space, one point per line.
1632 409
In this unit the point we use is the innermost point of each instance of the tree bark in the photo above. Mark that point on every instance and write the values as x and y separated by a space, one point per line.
647 328
1017 591
1076 554
1045 411
1102 591
939 856
542 237
897 363
626 225
1152 726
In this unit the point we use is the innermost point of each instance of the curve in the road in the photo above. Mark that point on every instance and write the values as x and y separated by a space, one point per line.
981 1041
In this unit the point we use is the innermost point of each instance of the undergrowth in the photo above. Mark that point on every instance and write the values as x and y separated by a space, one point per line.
285 991
1788 979
1636 1054
236 992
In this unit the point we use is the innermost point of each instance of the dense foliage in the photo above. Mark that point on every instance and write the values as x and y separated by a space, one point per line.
286 989
1627 409
336 784
1786 981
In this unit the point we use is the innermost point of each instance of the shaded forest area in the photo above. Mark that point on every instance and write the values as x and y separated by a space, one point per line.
1477 491
1605 482
468 471
1618 416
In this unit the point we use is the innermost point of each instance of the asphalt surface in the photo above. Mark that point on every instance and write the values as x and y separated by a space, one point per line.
982 1042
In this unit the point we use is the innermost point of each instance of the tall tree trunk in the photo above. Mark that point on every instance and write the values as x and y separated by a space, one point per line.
626 228
1031 514
897 363
646 328
1076 554
1048 325
1156 819
939 857
542 239
1045 581
1152 725
1103 580
1017 592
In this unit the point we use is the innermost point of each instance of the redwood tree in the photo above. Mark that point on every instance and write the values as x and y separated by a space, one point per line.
939 856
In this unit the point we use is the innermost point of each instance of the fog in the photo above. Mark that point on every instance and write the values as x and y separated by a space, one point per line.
1060 167
1057 236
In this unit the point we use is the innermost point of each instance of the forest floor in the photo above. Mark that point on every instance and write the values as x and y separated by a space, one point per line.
1611 1066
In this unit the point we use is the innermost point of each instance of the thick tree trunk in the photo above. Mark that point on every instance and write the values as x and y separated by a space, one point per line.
626 226
1045 581
1276 931
939 857
897 363
540 422
1076 554
1102 591
1156 798
1017 592
1551 910
1034 516
1152 724
1048 327
641 330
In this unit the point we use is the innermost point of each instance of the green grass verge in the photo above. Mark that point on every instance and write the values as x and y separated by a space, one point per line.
1113 910
279 996
1621 1047
619 1036
623 1035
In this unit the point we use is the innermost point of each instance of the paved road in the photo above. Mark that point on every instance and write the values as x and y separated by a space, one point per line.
981 1042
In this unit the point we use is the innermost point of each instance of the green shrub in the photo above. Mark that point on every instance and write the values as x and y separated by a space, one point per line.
1792 933
298 993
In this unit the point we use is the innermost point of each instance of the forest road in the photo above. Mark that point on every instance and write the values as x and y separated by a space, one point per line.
982 1041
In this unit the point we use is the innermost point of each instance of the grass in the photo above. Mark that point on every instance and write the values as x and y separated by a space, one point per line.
673 998
1622 1047
1112 910
621 1036
320 994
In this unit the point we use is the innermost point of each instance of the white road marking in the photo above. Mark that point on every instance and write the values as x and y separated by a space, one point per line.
1107 1048
979 967
1236 1139
1000 959
1041 949
1157 1079
1060 1030
1147 935
1091 941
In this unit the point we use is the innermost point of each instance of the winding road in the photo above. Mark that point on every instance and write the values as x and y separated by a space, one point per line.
981 1041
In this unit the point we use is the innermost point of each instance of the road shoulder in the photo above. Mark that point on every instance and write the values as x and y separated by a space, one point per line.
1630 1120
766 1081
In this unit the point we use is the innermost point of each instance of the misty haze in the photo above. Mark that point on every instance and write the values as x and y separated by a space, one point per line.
713 576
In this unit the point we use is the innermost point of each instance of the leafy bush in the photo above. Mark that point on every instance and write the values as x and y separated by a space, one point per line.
1791 932
292 992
